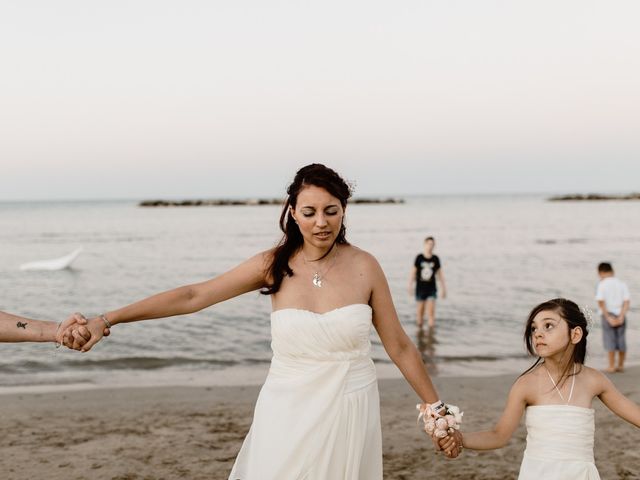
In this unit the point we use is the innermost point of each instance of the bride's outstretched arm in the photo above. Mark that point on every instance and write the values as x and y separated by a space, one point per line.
248 276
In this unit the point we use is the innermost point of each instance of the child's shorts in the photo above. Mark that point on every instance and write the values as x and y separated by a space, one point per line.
422 296
613 338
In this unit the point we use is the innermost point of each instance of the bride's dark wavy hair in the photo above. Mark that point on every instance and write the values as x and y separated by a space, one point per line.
574 317
320 176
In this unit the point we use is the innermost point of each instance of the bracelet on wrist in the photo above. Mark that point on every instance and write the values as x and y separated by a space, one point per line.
438 406
439 419
55 337
104 319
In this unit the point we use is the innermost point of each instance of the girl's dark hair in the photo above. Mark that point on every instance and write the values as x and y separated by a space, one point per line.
574 317
320 176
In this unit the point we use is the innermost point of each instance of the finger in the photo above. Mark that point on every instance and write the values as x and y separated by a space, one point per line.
84 332
79 339
67 339
445 443
106 332
70 322
76 344
448 445
452 452
89 345
76 318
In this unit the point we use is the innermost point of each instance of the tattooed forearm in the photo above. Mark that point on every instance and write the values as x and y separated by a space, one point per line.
21 325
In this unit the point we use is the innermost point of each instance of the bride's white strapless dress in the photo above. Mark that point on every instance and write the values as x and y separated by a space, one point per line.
318 414
559 444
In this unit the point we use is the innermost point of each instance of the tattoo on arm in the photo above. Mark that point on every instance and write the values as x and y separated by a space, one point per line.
22 325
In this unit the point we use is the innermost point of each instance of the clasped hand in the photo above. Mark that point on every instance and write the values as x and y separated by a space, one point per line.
451 445
615 320
79 333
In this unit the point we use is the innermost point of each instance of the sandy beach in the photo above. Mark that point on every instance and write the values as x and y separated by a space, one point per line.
195 432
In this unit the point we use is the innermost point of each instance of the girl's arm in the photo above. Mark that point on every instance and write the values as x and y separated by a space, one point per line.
397 344
616 402
246 277
509 421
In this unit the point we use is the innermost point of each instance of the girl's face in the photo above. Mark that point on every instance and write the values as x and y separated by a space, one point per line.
550 334
319 216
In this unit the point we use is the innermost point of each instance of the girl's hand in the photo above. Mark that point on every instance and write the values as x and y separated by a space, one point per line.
451 444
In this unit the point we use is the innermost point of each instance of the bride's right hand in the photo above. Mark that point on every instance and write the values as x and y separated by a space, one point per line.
98 330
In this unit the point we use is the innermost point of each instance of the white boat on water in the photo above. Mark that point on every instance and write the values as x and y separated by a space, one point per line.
54 263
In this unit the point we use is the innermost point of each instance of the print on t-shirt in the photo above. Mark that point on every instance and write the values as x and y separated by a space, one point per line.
426 273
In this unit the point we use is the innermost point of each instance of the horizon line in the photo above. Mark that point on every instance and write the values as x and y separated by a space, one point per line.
274 197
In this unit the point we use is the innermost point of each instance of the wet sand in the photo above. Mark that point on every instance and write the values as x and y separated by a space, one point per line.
195 432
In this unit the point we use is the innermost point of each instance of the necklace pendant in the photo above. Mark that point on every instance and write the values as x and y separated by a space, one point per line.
317 280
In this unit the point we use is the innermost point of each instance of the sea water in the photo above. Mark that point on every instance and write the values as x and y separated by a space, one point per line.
501 255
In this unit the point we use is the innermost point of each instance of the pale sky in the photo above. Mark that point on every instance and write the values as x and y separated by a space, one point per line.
156 98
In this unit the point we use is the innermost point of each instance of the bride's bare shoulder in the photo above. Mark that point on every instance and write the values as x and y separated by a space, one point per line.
358 255
363 262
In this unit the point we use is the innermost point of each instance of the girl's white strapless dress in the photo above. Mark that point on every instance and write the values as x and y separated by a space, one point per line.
559 444
317 416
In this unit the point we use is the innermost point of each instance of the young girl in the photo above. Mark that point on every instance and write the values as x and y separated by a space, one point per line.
556 393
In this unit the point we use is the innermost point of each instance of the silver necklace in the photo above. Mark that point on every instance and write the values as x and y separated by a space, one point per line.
318 275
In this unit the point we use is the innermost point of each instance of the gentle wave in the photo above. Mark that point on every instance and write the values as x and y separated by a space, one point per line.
124 363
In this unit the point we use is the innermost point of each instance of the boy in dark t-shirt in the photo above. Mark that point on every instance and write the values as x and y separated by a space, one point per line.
426 269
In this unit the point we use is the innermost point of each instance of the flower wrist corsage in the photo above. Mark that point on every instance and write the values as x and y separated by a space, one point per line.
439 419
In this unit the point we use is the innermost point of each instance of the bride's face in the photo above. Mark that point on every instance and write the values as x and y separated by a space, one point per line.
319 216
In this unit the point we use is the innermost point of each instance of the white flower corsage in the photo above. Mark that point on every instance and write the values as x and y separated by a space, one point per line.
436 425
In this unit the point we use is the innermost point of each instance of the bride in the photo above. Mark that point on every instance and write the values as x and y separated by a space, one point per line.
317 415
